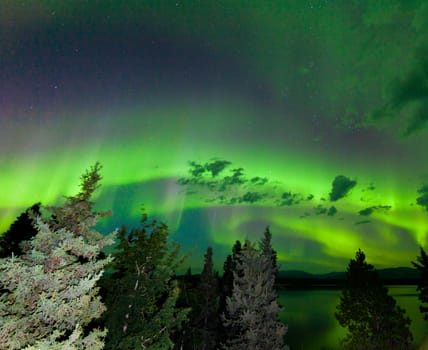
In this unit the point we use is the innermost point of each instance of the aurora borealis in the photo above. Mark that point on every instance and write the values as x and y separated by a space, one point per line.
222 117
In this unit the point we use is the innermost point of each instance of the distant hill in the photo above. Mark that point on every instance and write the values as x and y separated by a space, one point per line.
295 274
394 275
399 273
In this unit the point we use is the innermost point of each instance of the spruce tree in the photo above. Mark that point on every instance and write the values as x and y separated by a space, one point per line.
253 310
267 250
372 317
421 264
49 295
227 278
22 229
142 293
226 287
207 320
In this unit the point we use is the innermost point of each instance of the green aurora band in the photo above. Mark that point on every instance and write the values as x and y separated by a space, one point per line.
291 93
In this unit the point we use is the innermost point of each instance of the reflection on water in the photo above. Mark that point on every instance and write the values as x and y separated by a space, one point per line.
309 315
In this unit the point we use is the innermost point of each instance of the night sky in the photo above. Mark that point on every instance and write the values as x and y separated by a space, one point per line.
222 117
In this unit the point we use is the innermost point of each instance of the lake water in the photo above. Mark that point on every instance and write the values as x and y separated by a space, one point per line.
309 315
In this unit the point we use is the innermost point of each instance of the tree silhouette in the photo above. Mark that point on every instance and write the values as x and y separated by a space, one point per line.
421 264
372 318
226 285
141 295
22 229
207 319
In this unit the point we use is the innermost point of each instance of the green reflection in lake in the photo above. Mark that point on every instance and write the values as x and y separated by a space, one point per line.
309 315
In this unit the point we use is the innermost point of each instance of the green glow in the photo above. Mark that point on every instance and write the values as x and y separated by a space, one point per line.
320 69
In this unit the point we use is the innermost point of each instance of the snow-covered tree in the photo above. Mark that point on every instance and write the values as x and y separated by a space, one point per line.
253 309
48 294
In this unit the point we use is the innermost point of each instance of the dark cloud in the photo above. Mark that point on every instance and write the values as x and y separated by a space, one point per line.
409 97
422 200
183 181
288 198
366 211
259 180
228 189
203 175
332 211
370 210
251 197
320 210
340 187
383 207
362 222
217 166
237 178
196 169
370 187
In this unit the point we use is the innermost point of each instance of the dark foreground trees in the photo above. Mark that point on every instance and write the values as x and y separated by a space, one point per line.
421 264
141 294
21 230
372 318
207 320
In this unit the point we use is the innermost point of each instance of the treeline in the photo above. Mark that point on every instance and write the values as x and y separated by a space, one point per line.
59 290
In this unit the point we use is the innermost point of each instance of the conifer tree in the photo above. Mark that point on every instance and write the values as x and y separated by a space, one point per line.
22 229
268 251
421 264
207 320
253 310
372 317
227 278
226 287
49 294
141 295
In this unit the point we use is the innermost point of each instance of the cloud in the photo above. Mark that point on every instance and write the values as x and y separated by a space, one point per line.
233 188
288 198
370 210
217 166
204 174
362 222
340 187
259 180
422 200
250 197
366 211
215 183
332 211
319 210
196 169
409 97
237 178
370 187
